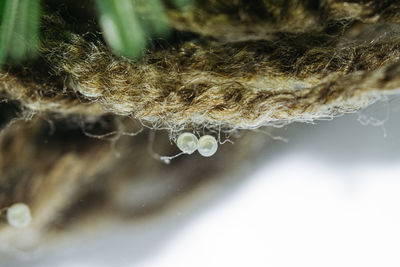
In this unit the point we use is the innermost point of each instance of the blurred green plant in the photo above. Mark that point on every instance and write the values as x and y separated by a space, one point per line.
182 3
127 25
121 27
19 30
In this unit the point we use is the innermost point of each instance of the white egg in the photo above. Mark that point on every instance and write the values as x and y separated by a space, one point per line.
19 215
187 143
208 145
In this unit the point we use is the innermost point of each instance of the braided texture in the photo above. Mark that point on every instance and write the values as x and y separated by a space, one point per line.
342 57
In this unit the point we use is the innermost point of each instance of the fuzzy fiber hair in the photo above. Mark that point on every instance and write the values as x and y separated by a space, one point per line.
229 65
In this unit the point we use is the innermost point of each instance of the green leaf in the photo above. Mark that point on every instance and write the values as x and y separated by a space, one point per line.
152 17
127 24
121 27
19 30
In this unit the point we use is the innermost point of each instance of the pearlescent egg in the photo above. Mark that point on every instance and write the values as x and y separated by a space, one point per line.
19 215
208 145
187 143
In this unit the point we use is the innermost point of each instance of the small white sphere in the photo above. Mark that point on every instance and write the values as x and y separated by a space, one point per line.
208 145
187 143
19 215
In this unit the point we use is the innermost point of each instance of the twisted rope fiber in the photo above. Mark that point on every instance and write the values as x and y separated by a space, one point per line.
282 77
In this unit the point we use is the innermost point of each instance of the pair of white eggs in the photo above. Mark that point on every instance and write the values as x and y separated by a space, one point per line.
188 143
19 215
